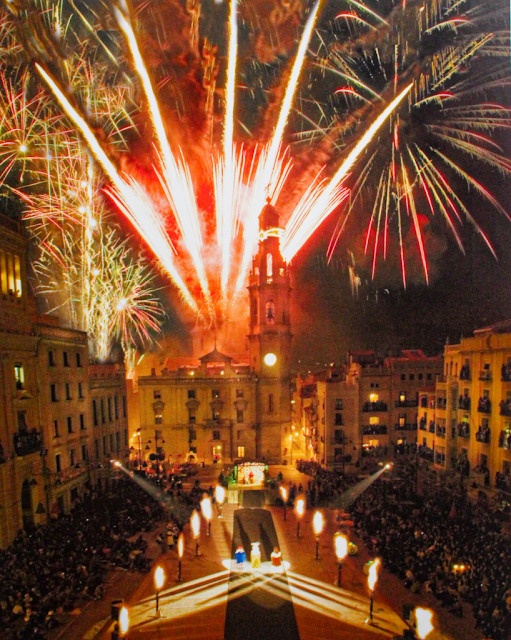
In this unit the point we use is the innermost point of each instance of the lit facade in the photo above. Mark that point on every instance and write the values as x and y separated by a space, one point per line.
44 407
470 427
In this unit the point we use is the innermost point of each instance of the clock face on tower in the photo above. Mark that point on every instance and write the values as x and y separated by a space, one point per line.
270 359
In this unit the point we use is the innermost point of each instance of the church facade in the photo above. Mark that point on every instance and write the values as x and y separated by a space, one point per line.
216 407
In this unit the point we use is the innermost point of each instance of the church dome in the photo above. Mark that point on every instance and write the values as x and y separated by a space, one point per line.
269 218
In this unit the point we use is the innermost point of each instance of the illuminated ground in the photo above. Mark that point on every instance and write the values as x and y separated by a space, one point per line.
196 609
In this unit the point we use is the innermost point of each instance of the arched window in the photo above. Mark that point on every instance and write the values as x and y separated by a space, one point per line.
270 312
269 265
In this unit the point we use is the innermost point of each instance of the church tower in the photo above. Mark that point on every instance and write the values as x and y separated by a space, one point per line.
270 339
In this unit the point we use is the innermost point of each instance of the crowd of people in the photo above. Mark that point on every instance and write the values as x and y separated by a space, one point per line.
47 571
440 542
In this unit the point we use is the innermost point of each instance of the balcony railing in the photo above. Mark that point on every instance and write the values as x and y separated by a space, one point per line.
505 374
485 375
375 406
423 425
440 432
484 405
408 426
464 430
464 403
217 424
441 403
407 403
483 435
505 408
424 403
27 442
431 427
374 429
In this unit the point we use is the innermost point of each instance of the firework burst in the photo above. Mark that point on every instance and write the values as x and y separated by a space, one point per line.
388 102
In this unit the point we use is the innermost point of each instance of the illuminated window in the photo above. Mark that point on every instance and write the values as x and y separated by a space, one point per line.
374 420
158 419
19 374
241 452
17 277
402 397
373 397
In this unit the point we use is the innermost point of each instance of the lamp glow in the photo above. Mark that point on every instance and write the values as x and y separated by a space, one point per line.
300 507
270 359
159 577
195 522
373 574
424 624
124 620
207 511
219 494
318 522
341 546
180 545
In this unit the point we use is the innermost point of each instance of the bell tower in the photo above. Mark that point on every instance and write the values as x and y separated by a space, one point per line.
270 338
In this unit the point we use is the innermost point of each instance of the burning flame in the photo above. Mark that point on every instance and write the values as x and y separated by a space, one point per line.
180 545
424 624
373 574
219 494
300 507
206 509
159 577
283 492
195 521
341 546
318 522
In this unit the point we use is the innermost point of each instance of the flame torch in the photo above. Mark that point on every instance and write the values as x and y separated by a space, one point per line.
371 582
317 523
283 493
300 510
219 497
159 579
195 521
207 511
341 551
424 622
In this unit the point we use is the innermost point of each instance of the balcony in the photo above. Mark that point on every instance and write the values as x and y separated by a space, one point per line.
505 374
440 432
484 405
441 403
407 426
505 408
407 403
431 426
375 406
26 442
463 430
423 424
485 375
464 403
465 373
374 429
424 403
483 435
217 424
505 440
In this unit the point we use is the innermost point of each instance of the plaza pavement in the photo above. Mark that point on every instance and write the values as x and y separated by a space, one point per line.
196 608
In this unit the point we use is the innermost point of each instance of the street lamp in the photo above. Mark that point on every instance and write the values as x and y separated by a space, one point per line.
300 510
219 497
180 551
317 523
159 579
372 578
283 493
341 551
207 511
124 622
424 624
195 522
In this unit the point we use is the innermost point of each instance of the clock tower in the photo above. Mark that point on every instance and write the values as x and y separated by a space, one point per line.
270 338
